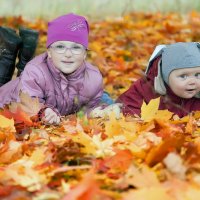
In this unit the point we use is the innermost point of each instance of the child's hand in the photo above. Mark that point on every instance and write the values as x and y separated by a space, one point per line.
99 112
51 117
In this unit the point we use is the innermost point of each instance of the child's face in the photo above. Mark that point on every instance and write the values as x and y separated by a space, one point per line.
67 56
185 82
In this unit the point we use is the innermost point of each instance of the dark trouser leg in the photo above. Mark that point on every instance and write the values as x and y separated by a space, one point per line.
29 43
9 44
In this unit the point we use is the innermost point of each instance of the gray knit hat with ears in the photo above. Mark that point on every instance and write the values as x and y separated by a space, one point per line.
179 55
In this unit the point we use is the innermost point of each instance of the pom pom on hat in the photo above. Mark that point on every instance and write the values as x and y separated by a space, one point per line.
70 27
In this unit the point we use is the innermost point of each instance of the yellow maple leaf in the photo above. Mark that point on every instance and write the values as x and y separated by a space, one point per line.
136 151
47 195
151 193
192 193
163 115
112 127
38 156
22 172
141 177
190 127
116 127
177 120
149 110
197 114
7 123
12 153
86 141
105 147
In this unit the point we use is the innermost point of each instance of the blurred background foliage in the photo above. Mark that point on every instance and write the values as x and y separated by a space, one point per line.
47 9
123 33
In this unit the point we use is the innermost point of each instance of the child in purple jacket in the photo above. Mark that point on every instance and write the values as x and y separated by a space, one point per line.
61 78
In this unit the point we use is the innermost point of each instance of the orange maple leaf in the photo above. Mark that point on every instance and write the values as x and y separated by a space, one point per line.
151 193
87 189
7 123
31 106
19 116
10 152
157 153
120 161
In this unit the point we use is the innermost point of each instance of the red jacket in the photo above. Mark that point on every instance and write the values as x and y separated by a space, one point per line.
143 90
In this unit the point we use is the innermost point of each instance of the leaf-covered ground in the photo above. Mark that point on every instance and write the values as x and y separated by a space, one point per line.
153 157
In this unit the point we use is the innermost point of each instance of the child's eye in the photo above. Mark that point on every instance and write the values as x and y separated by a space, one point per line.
197 75
76 47
60 47
183 76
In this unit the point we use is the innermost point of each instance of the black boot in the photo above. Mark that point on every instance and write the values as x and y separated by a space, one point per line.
29 43
9 44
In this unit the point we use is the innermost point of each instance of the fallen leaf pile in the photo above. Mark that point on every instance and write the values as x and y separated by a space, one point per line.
153 157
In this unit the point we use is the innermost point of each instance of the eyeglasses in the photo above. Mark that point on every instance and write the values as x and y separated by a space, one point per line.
76 49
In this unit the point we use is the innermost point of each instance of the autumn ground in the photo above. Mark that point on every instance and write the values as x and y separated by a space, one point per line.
153 157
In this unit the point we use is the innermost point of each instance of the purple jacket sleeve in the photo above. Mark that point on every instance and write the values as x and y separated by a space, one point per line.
95 101
33 83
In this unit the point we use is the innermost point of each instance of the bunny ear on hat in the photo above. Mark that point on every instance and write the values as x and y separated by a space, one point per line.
156 53
159 85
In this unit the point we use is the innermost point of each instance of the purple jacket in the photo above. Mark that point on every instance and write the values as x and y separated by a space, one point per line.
64 94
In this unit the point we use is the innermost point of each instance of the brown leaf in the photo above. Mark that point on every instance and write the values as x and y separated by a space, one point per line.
31 106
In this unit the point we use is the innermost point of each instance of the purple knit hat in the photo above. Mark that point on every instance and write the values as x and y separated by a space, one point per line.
70 27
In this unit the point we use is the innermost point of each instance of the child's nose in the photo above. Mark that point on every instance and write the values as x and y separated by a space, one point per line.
68 52
192 80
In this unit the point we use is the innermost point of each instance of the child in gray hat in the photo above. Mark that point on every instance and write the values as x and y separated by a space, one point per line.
173 74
